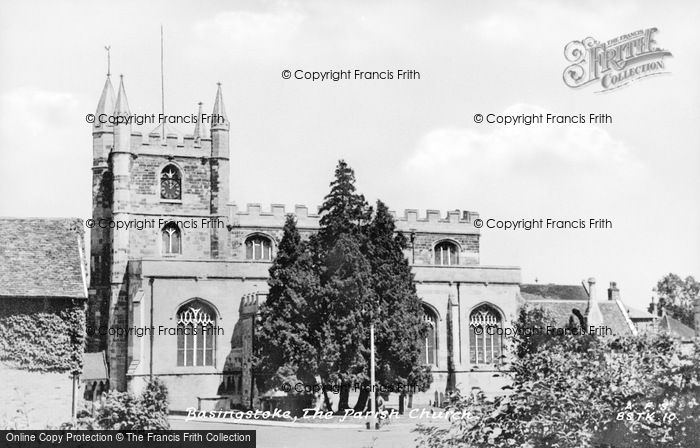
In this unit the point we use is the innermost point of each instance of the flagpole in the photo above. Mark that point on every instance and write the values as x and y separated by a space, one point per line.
162 85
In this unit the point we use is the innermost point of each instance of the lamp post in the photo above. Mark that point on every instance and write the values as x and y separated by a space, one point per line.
372 393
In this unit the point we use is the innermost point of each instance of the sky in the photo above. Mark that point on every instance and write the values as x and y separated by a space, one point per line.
413 143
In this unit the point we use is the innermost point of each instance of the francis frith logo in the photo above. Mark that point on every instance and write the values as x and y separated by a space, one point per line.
616 62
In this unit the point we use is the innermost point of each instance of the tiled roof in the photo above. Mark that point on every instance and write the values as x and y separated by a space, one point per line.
553 292
41 257
614 318
559 300
565 301
561 312
676 328
634 313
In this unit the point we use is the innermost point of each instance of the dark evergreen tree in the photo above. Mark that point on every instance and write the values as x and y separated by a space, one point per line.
346 283
325 293
398 315
345 212
285 352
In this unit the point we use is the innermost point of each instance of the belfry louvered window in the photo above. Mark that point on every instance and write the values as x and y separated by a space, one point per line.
258 248
446 254
171 239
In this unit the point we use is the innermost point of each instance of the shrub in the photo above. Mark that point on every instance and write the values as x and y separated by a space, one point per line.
580 391
124 411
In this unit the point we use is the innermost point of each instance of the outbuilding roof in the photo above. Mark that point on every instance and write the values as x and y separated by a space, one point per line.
42 257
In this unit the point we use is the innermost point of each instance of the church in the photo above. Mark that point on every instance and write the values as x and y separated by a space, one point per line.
170 253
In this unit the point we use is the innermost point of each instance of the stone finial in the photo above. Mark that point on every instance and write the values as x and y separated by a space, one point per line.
199 129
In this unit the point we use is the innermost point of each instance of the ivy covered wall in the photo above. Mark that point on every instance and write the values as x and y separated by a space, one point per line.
46 335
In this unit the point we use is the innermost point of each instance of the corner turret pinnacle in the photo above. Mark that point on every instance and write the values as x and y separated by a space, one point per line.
105 105
122 105
199 129
219 119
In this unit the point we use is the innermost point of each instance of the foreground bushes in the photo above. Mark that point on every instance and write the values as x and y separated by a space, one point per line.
124 411
579 391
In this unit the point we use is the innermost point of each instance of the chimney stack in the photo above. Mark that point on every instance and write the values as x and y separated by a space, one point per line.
613 292
591 289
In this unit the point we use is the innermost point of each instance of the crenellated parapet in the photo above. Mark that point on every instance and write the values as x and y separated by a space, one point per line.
423 231
172 146
272 217
434 221
250 304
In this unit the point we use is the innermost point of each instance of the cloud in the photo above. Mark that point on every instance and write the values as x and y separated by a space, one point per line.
565 160
41 149
252 32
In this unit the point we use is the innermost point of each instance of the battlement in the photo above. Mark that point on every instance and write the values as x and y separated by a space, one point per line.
432 221
434 216
280 210
173 145
272 217
250 303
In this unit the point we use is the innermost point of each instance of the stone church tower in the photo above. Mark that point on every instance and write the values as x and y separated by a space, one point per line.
127 194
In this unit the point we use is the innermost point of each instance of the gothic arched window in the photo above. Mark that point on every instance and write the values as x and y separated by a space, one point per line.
170 183
196 334
485 344
430 343
259 248
446 253
172 239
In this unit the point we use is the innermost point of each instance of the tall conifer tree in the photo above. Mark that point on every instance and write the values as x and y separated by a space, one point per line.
325 293
346 276
398 317
285 352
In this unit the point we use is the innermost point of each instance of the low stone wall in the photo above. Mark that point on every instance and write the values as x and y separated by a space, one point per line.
35 400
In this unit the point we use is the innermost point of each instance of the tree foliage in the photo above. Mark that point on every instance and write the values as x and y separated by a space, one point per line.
677 296
325 292
285 352
401 329
579 391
